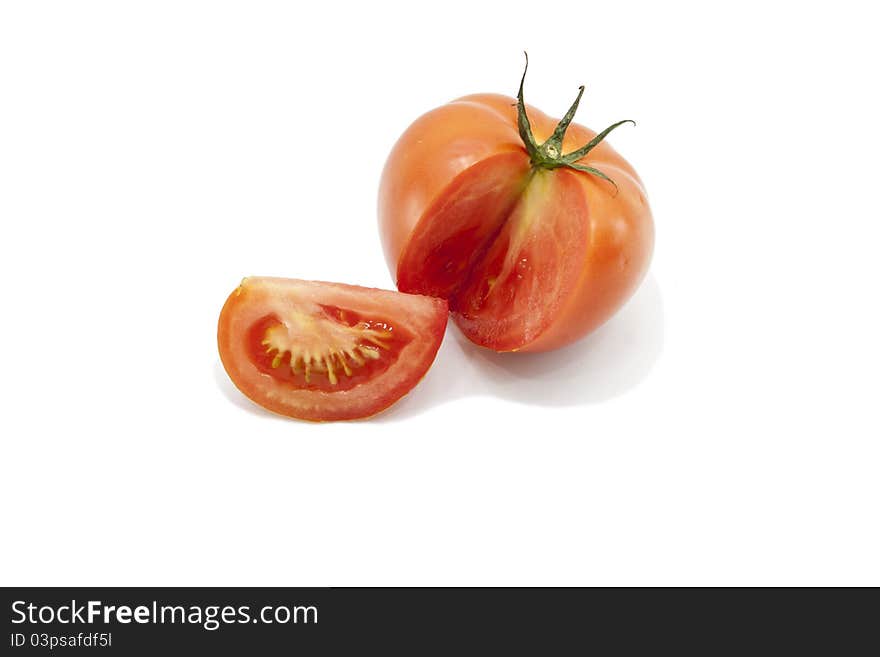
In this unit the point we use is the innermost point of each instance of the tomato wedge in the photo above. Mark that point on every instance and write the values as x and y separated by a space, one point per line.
327 351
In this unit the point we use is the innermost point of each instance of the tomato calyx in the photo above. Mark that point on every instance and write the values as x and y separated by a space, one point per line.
549 154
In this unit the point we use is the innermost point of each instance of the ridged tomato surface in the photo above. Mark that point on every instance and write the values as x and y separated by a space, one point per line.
529 258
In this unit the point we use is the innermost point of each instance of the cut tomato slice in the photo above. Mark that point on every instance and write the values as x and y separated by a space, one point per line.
327 351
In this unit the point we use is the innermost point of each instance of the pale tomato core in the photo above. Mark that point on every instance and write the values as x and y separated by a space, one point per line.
332 349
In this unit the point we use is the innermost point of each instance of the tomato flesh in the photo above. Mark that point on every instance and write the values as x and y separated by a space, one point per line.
376 348
327 351
460 225
505 254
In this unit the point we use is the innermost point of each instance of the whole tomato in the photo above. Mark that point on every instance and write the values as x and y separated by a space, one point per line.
535 231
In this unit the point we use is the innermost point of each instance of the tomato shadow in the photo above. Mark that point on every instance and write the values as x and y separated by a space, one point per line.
604 365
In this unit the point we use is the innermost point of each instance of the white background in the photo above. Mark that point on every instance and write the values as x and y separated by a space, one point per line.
722 429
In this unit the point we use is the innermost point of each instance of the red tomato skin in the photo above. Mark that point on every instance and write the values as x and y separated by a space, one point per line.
442 145
423 317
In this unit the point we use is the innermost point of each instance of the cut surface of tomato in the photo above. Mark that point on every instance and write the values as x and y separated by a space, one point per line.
327 351
516 287
460 225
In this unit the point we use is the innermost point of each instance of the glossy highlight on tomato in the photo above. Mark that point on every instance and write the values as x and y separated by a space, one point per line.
535 230
327 351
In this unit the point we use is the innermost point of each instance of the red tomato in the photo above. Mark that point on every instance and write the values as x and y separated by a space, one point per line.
491 204
327 351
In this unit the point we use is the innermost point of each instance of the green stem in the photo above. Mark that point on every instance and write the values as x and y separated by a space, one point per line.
555 141
522 119
574 156
549 154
